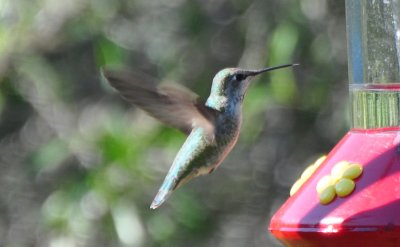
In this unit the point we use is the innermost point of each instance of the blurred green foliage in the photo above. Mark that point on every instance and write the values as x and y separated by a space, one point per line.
80 166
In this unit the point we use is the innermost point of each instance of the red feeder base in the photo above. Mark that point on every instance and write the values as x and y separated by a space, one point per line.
368 217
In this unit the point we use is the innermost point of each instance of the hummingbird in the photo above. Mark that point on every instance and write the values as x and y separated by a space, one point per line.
212 126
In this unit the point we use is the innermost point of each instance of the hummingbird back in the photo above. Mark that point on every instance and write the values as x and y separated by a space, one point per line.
198 156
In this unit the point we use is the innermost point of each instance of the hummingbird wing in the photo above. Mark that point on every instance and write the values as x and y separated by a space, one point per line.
174 105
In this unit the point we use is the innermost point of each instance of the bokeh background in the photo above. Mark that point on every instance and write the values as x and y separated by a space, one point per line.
80 167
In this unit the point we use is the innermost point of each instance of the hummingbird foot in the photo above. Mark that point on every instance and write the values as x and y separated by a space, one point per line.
161 196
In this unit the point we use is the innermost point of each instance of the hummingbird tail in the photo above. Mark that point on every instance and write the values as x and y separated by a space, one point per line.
161 196
171 182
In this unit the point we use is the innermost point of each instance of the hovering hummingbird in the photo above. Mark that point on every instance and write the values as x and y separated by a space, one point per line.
212 127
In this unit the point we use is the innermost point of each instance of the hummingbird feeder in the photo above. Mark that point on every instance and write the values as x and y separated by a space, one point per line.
351 197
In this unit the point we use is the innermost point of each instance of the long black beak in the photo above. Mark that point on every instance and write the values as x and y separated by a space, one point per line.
257 72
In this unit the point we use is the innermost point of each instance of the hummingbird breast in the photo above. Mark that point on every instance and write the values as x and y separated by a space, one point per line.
226 134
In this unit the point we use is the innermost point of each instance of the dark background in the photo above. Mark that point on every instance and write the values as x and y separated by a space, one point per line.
80 167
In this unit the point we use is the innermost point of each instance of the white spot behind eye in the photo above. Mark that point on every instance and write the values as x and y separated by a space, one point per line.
239 77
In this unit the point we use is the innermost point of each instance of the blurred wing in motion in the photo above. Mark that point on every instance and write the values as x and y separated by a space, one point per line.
174 105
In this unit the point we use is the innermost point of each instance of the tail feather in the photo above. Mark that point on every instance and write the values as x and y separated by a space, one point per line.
166 189
171 183
161 196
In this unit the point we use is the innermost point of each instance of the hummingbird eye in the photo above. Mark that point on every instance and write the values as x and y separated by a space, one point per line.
239 77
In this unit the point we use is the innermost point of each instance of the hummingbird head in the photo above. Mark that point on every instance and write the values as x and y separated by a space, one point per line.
230 85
